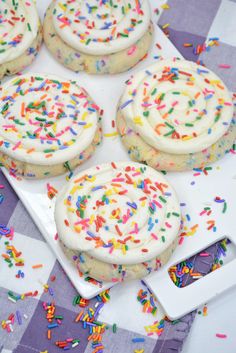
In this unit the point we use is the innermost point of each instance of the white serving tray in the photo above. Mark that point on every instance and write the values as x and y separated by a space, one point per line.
106 91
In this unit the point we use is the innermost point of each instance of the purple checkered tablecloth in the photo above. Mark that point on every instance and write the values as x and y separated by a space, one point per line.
31 335
189 21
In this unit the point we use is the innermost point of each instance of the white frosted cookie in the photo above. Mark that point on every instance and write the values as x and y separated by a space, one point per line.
122 219
20 35
176 115
47 125
98 36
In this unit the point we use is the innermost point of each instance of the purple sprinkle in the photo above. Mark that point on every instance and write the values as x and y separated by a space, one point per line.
126 103
18 316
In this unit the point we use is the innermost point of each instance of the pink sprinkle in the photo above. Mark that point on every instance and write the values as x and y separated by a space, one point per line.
16 146
221 335
157 204
168 225
118 179
204 254
56 237
154 236
1 186
181 239
161 107
224 66
132 50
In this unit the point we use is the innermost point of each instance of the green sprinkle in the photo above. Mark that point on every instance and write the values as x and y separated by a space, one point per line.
162 199
114 328
49 151
175 214
225 207
169 133
29 28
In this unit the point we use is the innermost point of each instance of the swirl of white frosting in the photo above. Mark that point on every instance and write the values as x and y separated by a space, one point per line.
177 106
120 213
45 119
19 24
100 27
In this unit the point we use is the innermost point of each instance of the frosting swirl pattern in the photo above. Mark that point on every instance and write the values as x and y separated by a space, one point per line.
120 213
19 24
100 27
177 106
45 119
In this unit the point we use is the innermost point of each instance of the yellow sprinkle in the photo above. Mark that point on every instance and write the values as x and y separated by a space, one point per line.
54 127
73 190
90 179
185 138
71 209
108 192
87 126
111 134
63 7
85 114
124 249
165 7
137 120
165 26
85 318
91 219
211 43
69 143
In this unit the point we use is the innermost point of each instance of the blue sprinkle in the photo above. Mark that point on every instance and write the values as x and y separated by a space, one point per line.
126 103
133 205
90 234
97 188
209 96
138 339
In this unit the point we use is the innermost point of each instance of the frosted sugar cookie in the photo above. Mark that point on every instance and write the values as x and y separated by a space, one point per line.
98 36
20 35
47 125
121 219
176 115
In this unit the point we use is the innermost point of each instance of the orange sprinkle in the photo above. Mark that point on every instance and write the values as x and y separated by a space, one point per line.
37 266
78 317
23 109
30 150
49 334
